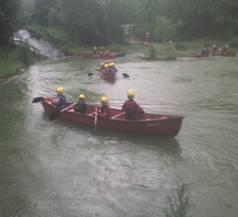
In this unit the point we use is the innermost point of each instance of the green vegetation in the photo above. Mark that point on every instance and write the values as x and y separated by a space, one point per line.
7 21
78 25
184 49
14 59
57 36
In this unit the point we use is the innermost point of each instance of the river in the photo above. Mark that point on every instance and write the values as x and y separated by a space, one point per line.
57 169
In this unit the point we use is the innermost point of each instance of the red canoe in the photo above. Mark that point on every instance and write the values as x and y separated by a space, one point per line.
151 124
98 56
107 75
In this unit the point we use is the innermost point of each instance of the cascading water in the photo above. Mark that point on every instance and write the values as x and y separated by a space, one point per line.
39 46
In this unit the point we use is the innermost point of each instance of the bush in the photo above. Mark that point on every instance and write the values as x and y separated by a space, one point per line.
164 30
180 46
233 41
25 55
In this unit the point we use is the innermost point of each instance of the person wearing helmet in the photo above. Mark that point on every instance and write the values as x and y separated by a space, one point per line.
213 50
102 67
131 108
104 110
204 52
112 69
81 105
95 50
105 68
226 51
60 100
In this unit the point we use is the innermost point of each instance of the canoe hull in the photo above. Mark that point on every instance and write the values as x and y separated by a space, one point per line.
161 125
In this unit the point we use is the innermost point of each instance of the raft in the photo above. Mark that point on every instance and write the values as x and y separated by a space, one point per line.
149 124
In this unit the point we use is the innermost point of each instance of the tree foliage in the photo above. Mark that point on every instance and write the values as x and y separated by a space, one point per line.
100 21
8 10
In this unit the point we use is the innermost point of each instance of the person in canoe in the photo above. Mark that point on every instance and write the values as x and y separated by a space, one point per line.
214 50
226 51
131 108
81 106
102 67
204 52
104 110
111 68
95 50
60 100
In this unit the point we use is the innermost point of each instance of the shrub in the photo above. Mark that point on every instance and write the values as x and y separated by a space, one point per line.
164 30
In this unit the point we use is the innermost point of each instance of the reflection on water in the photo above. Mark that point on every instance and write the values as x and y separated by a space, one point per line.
56 168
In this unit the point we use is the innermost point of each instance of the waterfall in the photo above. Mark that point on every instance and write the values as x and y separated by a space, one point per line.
38 46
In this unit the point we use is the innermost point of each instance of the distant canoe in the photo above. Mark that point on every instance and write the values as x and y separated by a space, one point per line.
150 124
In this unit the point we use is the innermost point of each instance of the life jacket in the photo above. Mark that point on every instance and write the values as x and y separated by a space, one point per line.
61 102
131 109
81 107
104 111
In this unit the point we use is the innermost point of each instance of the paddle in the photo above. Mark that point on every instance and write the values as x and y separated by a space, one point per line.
96 118
54 115
38 99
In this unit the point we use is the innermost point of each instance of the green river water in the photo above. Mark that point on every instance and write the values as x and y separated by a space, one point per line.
56 169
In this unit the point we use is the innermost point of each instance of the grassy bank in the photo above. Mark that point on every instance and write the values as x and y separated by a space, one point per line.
60 39
14 59
187 48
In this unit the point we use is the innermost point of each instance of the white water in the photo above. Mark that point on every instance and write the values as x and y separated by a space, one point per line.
39 46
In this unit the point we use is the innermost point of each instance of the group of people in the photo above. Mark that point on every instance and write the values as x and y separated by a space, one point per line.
100 51
131 109
107 68
213 50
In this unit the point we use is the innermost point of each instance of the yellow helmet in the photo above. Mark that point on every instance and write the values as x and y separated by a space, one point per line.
106 65
130 94
81 96
104 99
111 64
59 90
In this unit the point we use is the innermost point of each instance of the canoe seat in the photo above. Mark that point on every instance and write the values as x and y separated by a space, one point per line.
163 118
91 114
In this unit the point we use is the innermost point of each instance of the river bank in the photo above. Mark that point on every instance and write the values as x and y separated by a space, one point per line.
16 59
13 60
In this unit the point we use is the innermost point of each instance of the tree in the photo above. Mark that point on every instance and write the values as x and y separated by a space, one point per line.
8 11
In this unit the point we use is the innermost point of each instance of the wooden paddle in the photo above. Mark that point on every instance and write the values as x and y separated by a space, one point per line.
56 114
38 99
